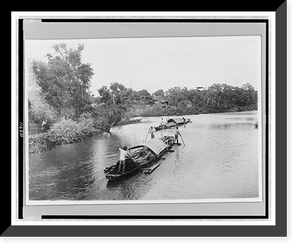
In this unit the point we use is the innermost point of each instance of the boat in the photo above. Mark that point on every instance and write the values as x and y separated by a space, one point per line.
173 122
145 155
128 121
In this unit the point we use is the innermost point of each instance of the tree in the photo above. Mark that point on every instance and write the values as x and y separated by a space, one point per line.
145 97
117 94
105 96
250 94
159 93
175 96
38 108
195 97
65 80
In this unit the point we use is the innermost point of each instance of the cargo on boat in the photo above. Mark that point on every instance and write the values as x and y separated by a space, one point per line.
173 122
147 156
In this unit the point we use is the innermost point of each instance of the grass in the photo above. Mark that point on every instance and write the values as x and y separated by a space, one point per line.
65 131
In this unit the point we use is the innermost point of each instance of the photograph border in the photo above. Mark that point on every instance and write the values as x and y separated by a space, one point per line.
253 26
166 231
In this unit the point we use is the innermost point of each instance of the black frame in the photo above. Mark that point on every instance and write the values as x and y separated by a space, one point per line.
280 230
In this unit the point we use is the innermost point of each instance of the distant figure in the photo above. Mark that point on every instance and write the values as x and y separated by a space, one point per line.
162 121
176 135
123 154
183 121
44 123
151 131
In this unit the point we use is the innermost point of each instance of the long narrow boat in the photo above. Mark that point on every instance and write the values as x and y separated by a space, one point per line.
128 121
143 156
173 122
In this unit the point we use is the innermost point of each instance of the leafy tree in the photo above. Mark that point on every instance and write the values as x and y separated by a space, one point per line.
159 93
65 80
117 95
175 96
105 96
195 97
38 109
145 97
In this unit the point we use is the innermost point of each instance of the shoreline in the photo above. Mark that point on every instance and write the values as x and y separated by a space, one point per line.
40 142
195 113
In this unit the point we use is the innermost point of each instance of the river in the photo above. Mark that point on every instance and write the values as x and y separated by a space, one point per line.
219 160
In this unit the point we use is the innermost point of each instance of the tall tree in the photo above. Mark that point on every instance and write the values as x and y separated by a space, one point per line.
159 93
65 80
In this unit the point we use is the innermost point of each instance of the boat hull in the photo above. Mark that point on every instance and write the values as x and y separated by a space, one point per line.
128 122
171 125
132 167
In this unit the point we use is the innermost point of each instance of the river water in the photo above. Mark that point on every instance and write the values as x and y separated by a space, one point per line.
219 160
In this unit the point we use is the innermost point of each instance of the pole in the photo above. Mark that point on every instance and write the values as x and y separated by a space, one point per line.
116 140
146 137
182 139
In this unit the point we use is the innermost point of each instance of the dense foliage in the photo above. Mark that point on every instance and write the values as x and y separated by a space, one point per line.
179 101
63 132
67 131
65 80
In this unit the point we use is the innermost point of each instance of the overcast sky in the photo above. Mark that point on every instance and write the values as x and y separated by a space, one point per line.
154 63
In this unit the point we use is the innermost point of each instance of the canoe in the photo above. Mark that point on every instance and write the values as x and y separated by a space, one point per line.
130 121
173 122
142 156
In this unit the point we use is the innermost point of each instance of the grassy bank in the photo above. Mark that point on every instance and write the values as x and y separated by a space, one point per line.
65 131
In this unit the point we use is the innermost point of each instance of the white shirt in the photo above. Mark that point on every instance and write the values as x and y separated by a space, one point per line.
123 154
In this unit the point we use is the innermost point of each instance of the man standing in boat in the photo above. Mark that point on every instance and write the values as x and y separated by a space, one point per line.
151 131
123 154
176 135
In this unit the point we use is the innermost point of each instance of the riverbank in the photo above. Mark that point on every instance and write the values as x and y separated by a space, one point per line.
66 131
156 110
39 143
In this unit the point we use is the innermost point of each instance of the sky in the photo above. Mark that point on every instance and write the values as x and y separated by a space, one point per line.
163 63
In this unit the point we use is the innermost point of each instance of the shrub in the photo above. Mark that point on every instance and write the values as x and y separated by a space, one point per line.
69 131
39 143
63 132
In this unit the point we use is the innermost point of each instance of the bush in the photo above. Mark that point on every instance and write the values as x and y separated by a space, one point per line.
39 143
63 132
69 131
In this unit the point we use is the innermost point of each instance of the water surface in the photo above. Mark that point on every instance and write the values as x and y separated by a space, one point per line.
219 160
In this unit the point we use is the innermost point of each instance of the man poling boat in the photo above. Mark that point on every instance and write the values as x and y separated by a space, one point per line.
123 155
151 132
176 136
147 155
